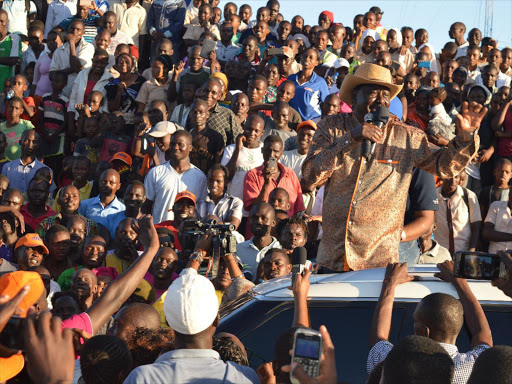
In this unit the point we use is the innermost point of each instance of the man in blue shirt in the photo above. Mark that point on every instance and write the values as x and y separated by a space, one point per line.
106 203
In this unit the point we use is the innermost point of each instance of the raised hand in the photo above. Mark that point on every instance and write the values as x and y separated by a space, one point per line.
146 232
471 117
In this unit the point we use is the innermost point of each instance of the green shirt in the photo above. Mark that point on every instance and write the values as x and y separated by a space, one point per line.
10 46
13 134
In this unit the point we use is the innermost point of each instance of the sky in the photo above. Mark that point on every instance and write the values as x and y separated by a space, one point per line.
435 16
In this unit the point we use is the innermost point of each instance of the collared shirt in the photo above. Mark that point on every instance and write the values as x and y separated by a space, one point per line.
152 90
163 183
112 221
167 16
57 12
254 181
463 361
32 221
227 207
250 255
499 214
461 218
91 228
192 366
93 208
436 255
60 61
501 80
20 174
29 56
90 30
356 235
119 38
132 21
17 14
194 31
224 121
461 50
308 96
226 53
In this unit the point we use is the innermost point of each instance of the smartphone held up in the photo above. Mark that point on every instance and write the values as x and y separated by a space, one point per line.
478 266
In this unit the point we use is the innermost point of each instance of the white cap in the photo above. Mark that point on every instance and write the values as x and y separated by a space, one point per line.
163 128
341 62
191 304
372 33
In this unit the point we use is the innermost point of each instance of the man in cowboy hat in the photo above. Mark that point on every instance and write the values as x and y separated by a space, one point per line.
365 197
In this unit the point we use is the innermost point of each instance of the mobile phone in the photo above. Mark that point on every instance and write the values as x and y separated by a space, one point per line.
13 335
478 266
272 162
307 350
207 47
275 51
424 64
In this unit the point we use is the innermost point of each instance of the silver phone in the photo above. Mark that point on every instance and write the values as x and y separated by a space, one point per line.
307 351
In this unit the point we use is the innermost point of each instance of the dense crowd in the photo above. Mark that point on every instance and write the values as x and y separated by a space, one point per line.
135 134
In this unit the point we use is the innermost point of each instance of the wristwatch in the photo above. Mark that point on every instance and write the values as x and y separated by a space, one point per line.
197 256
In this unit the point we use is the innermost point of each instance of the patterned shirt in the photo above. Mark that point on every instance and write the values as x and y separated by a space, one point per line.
463 361
90 229
224 121
356 235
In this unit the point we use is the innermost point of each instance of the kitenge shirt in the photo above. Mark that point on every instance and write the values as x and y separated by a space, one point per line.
364 202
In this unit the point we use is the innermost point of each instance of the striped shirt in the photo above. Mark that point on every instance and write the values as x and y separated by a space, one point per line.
54 111
91 27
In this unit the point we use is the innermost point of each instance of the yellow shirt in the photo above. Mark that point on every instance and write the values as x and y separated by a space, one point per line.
159 306
85 193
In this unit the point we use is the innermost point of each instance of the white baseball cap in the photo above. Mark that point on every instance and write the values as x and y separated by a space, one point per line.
341 62
191 304
163 128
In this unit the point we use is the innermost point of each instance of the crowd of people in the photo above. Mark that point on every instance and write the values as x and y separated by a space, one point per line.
131 129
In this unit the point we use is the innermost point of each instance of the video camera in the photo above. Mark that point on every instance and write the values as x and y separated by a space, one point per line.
223 241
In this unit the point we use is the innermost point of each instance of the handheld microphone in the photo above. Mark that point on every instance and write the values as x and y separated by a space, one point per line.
298 258
379 118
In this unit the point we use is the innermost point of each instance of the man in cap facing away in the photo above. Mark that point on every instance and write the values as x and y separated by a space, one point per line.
191 309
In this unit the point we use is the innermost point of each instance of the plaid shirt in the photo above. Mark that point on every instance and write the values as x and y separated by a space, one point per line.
224 121
463 361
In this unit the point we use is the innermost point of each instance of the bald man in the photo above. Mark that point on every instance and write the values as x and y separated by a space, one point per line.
133 316
106 203
84 285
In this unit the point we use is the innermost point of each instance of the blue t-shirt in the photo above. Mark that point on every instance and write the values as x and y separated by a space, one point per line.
422 194
308 96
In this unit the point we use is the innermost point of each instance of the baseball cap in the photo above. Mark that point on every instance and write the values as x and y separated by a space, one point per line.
10 285
341 62
288 52
191 304
163 128
122 156
307 124
185 195
31 240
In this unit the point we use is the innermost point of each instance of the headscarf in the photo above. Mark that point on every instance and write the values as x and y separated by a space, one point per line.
329 15
222 77
487 92
398 35
433 60
372 33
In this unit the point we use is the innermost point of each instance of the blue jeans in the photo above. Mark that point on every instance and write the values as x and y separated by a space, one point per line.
409 252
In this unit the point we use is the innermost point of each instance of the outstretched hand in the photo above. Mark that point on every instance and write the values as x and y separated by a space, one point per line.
146 232
471 117
396 273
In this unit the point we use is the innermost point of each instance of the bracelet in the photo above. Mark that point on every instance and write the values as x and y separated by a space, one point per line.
197 256
238 277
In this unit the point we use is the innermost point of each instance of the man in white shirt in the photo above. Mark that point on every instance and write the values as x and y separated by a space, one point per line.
458 218
131 19
165 181
252 251
293 159
457 31
58 11
226 50
498 226
116 36
74 55
17 13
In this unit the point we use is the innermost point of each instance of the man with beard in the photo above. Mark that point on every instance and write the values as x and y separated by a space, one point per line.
69 201
252 251
134 197
165 181
57 240
106 203
92 257
22 170
125 253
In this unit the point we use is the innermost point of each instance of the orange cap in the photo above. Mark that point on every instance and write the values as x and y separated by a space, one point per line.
307 124
123 156
10 285
31 240
185 195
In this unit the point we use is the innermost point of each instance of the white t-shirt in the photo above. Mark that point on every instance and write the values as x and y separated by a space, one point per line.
163 183
293 159
248 158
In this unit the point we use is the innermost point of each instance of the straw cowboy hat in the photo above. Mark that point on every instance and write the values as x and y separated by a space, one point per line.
368 74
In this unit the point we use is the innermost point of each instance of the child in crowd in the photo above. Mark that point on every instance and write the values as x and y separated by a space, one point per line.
84 146
180 113
440 122
91 109
3 146
19 87
114 138
272 76
500 190
14 127
279 125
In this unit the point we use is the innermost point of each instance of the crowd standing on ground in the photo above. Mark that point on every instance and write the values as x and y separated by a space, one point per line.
125 122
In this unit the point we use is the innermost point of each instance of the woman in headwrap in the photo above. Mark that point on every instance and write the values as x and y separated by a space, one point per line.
368 37
224 80
429 49
399 52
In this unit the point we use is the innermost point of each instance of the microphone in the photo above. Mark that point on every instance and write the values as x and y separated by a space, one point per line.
298 258
379 118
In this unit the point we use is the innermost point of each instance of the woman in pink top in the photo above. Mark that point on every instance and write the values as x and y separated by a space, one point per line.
41 84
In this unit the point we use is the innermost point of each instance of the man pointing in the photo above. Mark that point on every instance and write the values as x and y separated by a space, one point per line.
365 200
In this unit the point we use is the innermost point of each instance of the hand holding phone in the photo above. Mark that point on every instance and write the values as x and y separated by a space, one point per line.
307 351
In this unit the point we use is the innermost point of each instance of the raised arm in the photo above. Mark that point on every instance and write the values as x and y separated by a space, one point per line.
396 274
123 287
473 313
300 296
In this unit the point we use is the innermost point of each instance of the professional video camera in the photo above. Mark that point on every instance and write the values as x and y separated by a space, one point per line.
223 241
